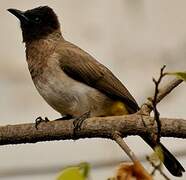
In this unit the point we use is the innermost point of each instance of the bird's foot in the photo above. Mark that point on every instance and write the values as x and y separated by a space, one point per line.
79 121
40 120
64 117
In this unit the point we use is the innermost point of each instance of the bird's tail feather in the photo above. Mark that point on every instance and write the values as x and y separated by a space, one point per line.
171 163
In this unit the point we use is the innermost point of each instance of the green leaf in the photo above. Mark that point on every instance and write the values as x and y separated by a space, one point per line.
79 172
85 169
71 173
179 75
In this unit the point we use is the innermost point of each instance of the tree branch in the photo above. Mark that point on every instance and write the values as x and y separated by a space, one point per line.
98 127
119 140
163 92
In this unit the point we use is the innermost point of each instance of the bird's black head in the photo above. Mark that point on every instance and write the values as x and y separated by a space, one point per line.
36 23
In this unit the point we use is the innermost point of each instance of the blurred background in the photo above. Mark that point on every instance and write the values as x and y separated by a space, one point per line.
134 38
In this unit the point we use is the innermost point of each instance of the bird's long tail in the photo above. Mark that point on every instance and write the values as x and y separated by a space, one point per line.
170 162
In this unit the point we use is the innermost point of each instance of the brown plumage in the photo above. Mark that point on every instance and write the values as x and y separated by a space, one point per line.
71 80
86 69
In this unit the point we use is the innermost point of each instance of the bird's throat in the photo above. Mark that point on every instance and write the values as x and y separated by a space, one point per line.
38 52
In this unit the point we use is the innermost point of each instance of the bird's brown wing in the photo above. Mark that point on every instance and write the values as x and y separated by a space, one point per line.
84 68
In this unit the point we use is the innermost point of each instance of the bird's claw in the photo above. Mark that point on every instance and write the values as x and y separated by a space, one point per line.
39 120
79 121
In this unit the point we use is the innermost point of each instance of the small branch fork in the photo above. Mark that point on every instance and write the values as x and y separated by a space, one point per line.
154 104
147 107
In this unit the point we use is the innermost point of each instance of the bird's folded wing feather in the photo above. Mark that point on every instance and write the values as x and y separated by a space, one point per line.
79 65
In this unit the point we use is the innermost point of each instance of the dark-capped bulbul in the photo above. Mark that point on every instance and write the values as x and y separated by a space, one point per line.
71 80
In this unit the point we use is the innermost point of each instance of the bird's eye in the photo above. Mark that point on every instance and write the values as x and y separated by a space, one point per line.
37 20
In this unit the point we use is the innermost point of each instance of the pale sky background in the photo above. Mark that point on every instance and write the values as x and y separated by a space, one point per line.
134 38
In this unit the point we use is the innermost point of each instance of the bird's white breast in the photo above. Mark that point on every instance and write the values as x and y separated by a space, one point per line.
66 95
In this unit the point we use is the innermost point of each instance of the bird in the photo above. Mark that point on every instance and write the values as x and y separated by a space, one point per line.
71 80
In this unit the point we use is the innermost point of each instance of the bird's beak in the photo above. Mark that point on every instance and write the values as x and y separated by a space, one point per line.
19 14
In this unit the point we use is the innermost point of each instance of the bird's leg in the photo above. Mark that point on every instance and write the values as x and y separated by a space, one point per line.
79 120
64 117
39 120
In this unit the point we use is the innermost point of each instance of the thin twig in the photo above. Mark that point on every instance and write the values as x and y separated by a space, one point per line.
157 167
154 103
163 92
138 170
119 140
